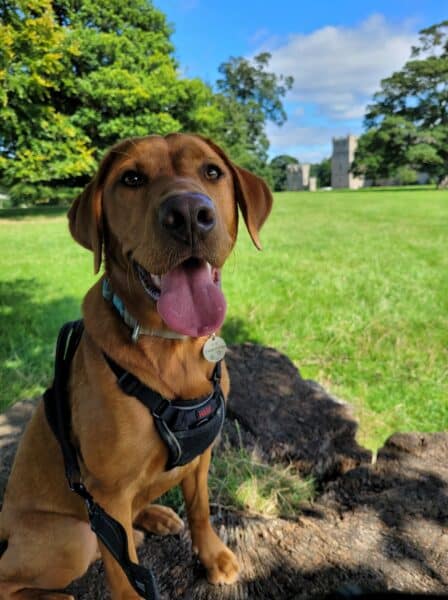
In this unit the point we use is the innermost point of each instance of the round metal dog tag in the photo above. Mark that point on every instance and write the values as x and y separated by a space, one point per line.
214 349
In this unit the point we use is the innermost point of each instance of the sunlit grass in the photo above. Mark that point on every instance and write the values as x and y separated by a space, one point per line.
352 286
240 480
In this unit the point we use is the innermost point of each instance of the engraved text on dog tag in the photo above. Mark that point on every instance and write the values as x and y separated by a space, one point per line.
214 349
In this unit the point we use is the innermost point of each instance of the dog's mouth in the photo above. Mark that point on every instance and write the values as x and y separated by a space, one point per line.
189 297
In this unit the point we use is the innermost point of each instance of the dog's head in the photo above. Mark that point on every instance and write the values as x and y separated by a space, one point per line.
165 211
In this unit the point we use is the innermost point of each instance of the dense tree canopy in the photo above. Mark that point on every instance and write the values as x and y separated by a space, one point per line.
407 123
78 75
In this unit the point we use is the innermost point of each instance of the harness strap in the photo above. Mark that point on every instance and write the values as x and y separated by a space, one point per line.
57 409
155 402
187 427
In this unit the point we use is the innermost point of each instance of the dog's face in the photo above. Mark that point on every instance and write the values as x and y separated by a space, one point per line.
165 210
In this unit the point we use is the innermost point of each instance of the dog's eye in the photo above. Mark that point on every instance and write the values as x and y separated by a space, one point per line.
133 178
212 172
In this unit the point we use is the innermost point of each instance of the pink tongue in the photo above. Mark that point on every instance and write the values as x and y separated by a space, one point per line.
190 302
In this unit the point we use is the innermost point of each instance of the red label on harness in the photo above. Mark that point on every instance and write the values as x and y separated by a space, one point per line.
204 412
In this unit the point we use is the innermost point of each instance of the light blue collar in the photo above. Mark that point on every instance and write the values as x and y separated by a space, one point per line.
110 296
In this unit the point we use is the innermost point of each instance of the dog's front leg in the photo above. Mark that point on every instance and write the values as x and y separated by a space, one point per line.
119 509
220 562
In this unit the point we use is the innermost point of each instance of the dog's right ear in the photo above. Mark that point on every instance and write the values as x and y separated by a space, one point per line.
85 222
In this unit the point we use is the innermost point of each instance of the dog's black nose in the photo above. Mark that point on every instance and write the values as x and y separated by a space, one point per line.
188 216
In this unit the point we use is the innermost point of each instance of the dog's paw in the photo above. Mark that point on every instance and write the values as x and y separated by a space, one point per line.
221 563
224 569
160 520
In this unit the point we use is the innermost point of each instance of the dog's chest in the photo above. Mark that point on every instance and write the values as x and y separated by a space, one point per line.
155 485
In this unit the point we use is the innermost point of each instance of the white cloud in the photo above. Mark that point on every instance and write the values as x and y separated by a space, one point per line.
299 111
339 68
308 143
287 136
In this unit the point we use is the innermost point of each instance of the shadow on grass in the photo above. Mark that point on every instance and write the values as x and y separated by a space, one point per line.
17 214
236 331
28 331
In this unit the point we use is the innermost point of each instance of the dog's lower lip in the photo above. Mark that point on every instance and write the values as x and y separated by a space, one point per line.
150 283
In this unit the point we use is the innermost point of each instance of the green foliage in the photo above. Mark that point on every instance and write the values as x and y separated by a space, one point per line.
406 176
38 144
407 124
322 171
76 77
249 96
279 170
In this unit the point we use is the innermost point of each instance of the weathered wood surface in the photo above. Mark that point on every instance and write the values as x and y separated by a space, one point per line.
373 527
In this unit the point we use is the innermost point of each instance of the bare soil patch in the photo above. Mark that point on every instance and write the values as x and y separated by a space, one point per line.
373 527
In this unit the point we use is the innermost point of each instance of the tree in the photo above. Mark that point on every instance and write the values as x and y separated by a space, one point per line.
78 75
279 169
34 136
322 171
249 96
407 123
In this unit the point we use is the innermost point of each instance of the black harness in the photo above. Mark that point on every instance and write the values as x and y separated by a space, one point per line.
186 427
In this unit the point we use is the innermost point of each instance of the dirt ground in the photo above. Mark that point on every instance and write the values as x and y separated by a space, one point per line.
372 528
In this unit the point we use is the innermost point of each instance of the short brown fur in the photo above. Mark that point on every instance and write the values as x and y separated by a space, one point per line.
123 458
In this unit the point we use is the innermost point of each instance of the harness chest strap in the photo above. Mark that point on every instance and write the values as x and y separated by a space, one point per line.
187 428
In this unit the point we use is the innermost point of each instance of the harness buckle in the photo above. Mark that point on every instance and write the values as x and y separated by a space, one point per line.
79 488
161 409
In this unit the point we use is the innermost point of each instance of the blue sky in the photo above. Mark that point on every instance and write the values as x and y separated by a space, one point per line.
336 51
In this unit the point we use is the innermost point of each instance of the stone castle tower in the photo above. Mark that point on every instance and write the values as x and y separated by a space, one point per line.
298 177
343 154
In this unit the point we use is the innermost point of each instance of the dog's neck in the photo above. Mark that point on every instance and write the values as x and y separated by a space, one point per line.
137 330
152 359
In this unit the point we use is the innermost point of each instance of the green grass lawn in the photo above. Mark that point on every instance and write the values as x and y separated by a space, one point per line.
352 286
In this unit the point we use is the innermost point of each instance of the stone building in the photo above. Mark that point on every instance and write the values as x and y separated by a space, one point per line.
343 154
297 177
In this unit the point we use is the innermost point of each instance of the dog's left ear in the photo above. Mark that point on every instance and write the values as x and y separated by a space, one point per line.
254 199
85 222
252 195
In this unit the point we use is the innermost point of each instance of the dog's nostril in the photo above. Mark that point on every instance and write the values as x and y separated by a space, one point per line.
173 220
206 217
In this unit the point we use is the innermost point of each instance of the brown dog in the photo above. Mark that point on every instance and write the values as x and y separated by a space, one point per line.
164 212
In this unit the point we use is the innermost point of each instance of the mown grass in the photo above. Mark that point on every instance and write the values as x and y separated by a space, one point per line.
353 286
